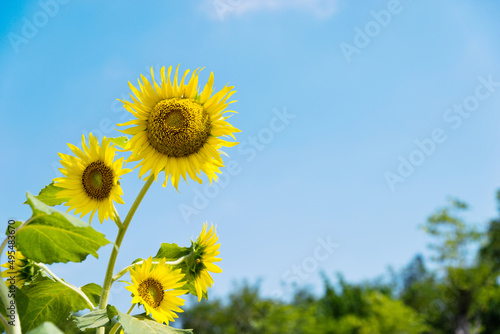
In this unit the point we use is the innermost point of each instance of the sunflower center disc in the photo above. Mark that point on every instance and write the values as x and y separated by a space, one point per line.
178 127
97 180
151 291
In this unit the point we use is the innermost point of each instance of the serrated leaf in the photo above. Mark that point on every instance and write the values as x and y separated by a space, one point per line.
55 236
45 328
171 252
47 300
93 319
48 195
144 325
93 291
121 142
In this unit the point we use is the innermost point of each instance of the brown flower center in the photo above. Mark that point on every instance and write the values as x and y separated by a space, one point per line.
178 127
151 291
97 180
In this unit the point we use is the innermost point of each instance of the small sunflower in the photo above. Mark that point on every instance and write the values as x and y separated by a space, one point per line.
205 250
154 288
177 129
19 268
91 178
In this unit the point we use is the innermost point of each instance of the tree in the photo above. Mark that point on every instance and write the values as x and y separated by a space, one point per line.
466 277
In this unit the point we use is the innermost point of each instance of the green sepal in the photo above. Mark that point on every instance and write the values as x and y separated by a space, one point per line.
192 290
172 252
48 195
188 266
47 300
93 319
191 266
143 324
46 328
121 142
54 236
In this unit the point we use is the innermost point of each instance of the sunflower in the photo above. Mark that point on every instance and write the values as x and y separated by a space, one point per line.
177 129
19 268
205 250
154 288
91 178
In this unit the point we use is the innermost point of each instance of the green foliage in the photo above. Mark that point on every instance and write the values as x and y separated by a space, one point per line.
453 235
47 300
48 195
92 319
54 236
142 324
172 252
46 328
461 296
490 251
247 312
11 227
93 291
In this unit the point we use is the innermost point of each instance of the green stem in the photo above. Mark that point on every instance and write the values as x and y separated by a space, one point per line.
118 222
108 279
4 322
72 287
4 290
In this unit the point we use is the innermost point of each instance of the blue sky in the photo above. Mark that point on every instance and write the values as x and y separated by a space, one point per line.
321 128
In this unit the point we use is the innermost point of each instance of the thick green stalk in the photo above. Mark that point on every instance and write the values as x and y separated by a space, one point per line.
106 287
4 292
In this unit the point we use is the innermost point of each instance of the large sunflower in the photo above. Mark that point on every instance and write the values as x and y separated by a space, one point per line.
178 129
154 288
205 251
91 178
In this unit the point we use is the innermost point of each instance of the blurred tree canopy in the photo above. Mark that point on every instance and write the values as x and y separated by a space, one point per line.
460 296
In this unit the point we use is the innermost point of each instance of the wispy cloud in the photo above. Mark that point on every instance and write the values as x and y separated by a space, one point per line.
220 9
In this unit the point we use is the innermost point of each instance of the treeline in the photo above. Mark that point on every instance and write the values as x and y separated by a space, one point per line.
461 296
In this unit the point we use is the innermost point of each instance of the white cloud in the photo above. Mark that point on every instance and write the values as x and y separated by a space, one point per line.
220 9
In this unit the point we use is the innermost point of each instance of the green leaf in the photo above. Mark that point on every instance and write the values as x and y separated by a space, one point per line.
121 142
172 252
12 227
48 195
46 328
47 300
144 325
93 291
93 319
54 236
